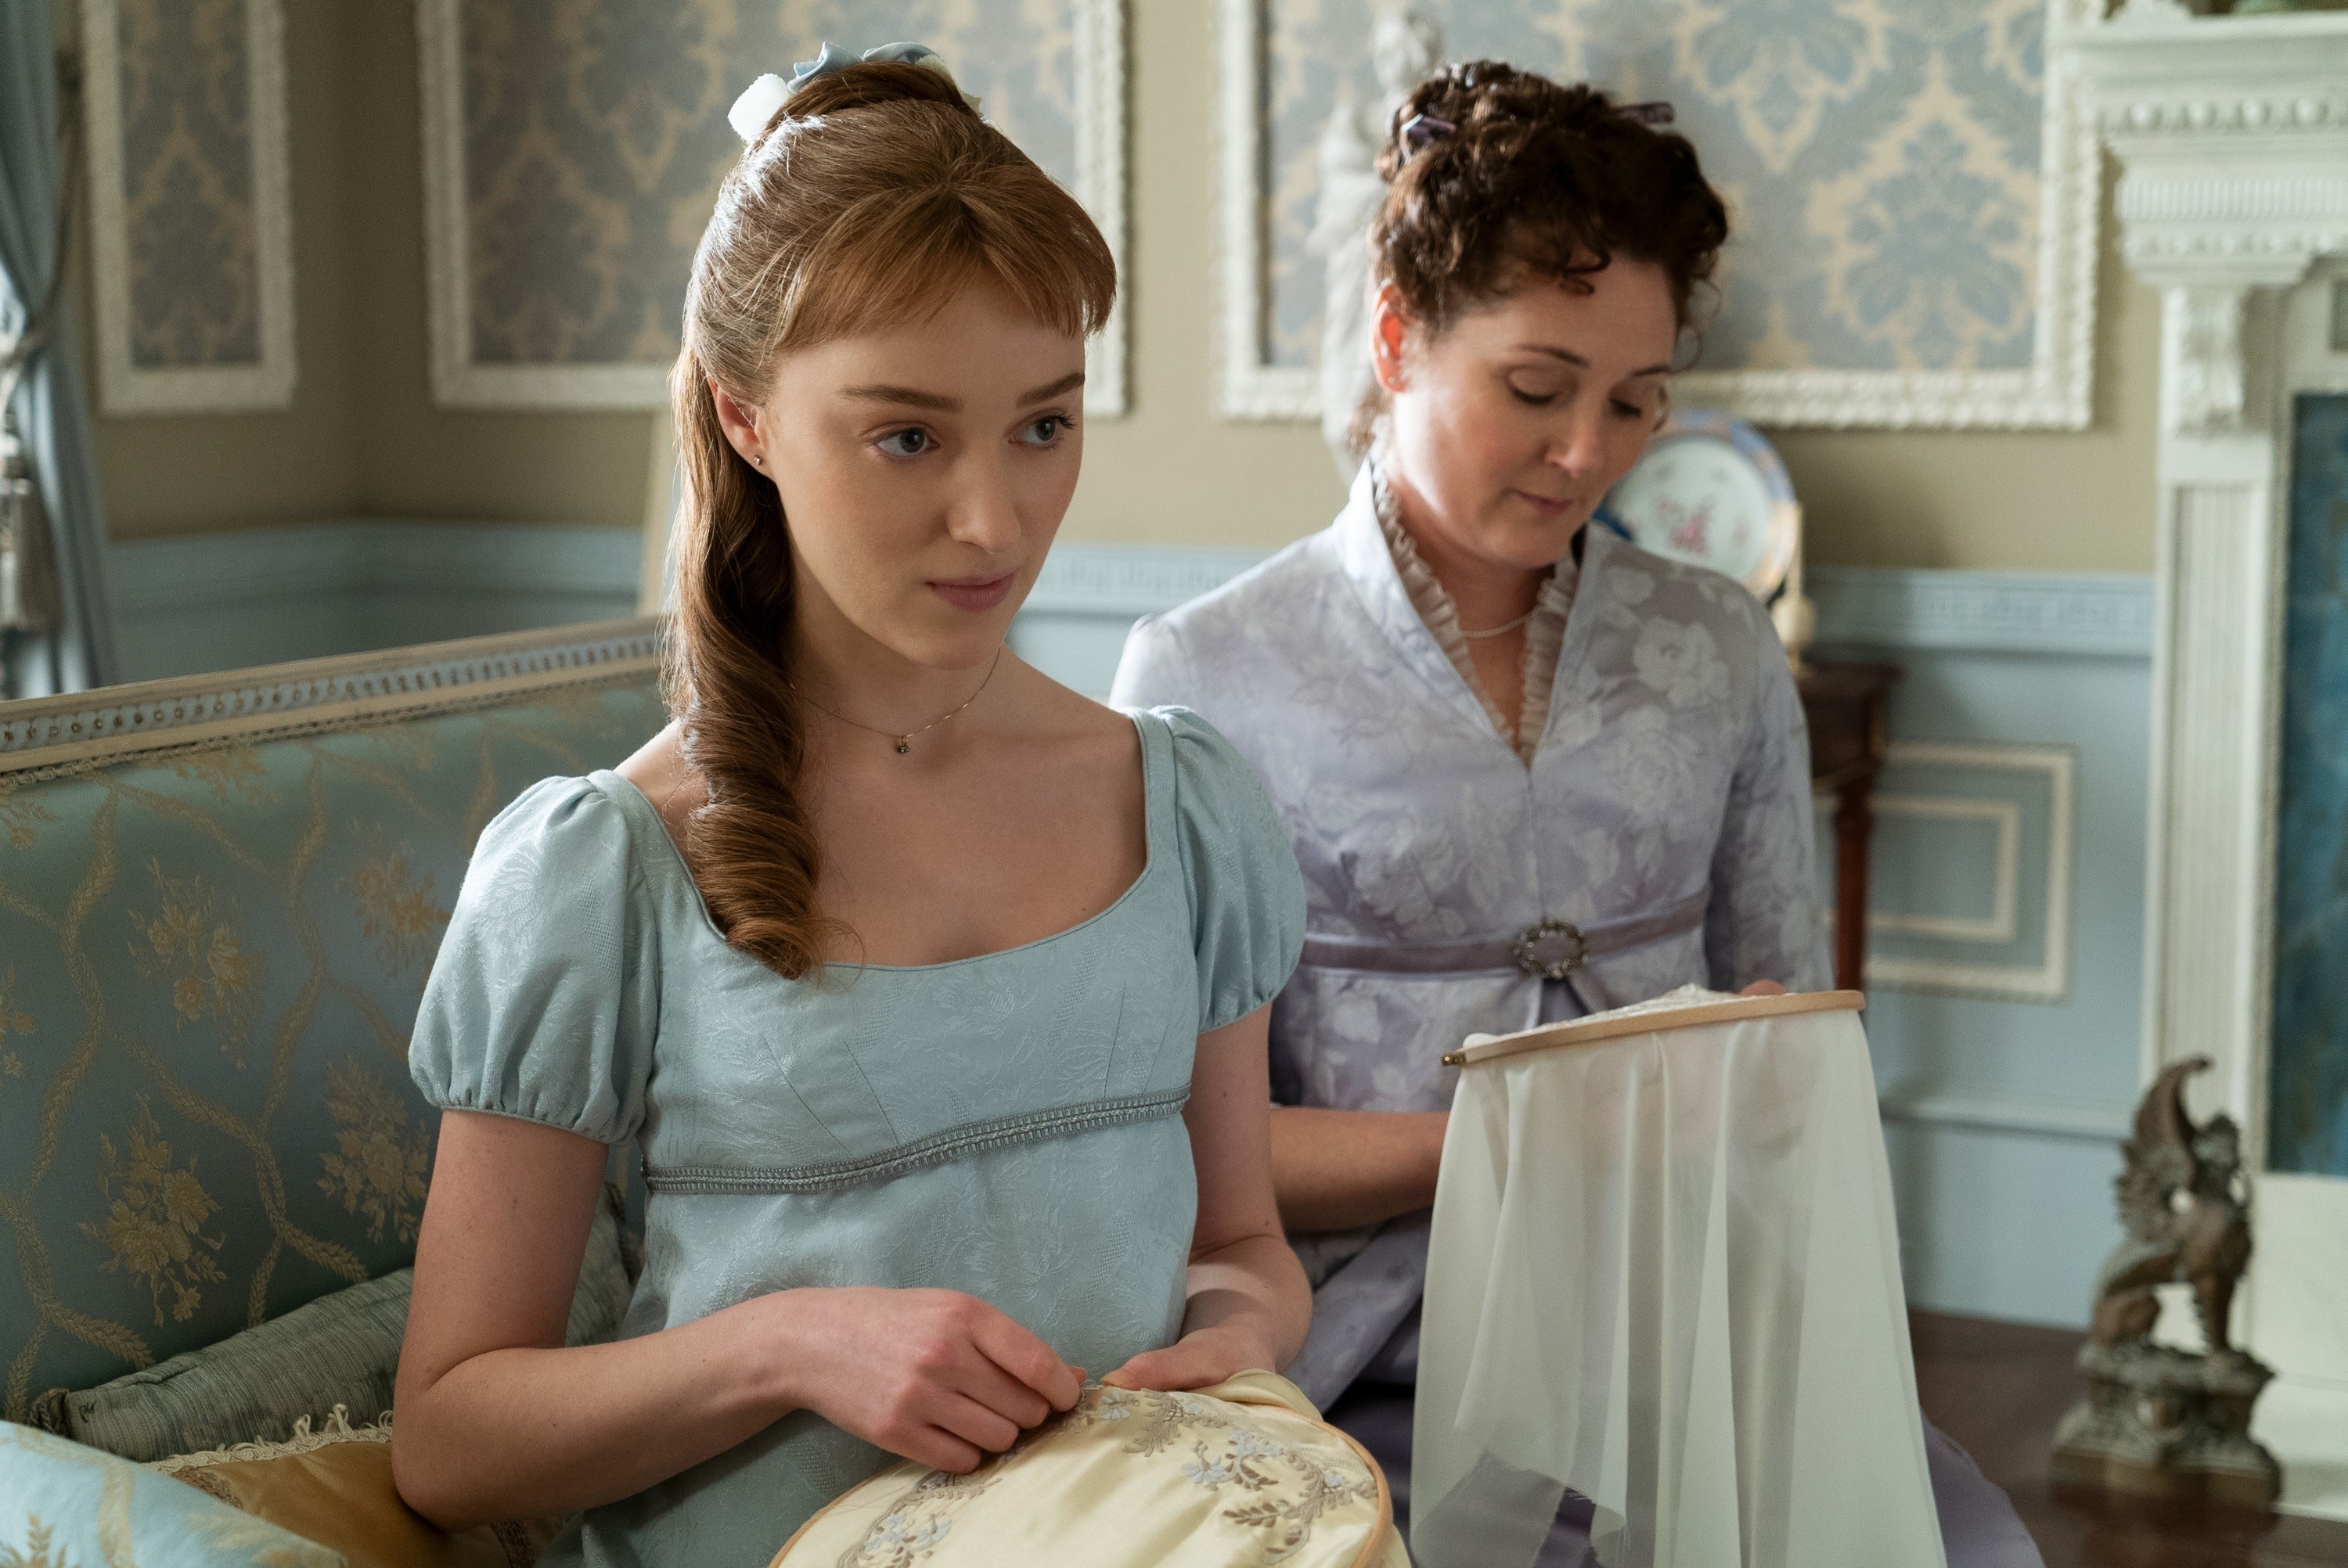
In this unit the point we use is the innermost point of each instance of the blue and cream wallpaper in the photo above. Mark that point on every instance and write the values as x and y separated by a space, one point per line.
1882 158
191 216
595 138
2308 1113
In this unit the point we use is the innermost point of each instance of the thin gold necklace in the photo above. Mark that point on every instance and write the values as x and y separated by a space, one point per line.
905 740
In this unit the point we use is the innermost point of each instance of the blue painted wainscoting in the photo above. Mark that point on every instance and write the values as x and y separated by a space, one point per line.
2008 878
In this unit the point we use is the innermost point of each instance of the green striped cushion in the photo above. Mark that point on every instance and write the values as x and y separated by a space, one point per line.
340 1350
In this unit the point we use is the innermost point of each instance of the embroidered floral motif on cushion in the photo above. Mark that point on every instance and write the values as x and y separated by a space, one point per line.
154 1223
380 1169
1279 1489
211 969
227 770
14 1020
399 915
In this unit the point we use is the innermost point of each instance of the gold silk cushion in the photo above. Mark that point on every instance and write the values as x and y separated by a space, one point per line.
334 1488
1240 1474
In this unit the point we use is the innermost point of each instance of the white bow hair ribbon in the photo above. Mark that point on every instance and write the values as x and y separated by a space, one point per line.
761 98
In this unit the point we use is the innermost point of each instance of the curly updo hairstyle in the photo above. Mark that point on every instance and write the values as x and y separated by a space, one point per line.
1535 179
872 197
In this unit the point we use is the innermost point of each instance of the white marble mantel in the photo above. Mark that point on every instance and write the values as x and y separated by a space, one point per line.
2232 138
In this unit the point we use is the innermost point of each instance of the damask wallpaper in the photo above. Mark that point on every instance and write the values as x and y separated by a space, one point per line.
2308 1116
186 153
1883 161
591 139
188 177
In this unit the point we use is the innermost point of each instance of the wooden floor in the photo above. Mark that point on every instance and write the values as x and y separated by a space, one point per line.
1999 1388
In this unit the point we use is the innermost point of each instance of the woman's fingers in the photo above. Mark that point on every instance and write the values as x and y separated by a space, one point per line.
940 1450
1004 1342
975 1424
1763 989
1184 1364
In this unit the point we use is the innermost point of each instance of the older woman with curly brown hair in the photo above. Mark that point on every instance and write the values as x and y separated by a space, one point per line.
1531 770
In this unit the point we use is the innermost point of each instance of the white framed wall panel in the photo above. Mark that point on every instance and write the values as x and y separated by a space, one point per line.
1570 39
601 356
192 215
2028 971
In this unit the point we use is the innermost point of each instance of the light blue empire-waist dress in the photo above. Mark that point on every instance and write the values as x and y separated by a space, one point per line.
1006 1126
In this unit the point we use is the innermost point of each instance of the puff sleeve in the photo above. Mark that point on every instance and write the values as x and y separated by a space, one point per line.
544 999
1247 896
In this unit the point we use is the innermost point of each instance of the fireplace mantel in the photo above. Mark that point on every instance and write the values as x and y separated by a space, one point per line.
2231 137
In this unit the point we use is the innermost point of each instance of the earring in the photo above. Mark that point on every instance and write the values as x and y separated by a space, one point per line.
757 461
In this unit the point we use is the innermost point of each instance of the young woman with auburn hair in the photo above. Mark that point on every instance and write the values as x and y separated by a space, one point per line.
1531 770
933 992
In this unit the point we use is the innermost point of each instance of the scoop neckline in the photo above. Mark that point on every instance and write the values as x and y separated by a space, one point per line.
633 801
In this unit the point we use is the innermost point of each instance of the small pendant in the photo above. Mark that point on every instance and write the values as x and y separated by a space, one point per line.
902 747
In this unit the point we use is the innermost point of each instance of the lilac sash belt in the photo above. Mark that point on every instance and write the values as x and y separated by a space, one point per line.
1547 949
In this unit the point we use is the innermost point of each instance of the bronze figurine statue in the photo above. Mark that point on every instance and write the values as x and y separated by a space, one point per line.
2158 1420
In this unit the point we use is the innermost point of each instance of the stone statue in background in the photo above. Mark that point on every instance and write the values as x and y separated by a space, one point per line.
1403 47
2158 1420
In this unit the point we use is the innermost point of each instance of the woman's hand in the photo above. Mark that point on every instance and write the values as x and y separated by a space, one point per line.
1201 1359
941 1378
1763 989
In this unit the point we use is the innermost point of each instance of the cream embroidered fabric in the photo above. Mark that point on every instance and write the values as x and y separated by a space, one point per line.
1664 1273
1240 1474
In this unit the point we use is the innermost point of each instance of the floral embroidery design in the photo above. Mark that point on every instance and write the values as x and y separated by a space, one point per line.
154 1223
35 1553
1284 1490
400 916
228 771
379 1170
17 817
209 968
14 1020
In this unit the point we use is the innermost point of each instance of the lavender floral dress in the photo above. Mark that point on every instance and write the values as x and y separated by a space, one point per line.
1648 826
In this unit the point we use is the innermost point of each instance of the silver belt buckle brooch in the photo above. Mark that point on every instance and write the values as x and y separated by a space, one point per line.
1562 943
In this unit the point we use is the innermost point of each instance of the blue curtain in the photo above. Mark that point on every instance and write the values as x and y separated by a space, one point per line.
52 417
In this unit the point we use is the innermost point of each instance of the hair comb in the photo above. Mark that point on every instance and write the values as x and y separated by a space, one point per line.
1422 130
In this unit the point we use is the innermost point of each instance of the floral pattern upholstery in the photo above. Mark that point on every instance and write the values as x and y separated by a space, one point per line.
214 936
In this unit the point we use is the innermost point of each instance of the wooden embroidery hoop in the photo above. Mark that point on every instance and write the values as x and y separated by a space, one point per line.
1605 1025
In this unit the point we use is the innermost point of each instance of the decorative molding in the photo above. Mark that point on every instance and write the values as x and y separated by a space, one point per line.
366 555
1100 186
124 385
2054 393
2201 358
2049 979
459 381
46 736
1993 1113
2005 818
2231 134
2106 614
1132 580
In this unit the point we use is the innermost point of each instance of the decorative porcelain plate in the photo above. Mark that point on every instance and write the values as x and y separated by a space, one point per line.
1711 490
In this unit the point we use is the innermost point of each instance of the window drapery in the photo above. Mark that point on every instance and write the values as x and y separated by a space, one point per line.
49 412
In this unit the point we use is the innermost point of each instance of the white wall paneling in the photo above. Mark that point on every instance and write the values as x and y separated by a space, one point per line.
192 221
2232 137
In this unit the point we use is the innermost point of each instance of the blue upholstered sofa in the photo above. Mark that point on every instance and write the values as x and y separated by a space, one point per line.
220 897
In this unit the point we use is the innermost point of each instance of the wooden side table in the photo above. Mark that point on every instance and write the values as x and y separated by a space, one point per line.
1848 707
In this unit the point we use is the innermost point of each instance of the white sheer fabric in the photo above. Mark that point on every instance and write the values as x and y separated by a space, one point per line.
1664 1273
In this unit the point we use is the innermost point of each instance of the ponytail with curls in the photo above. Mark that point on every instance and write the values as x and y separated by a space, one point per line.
873 195
1494 173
